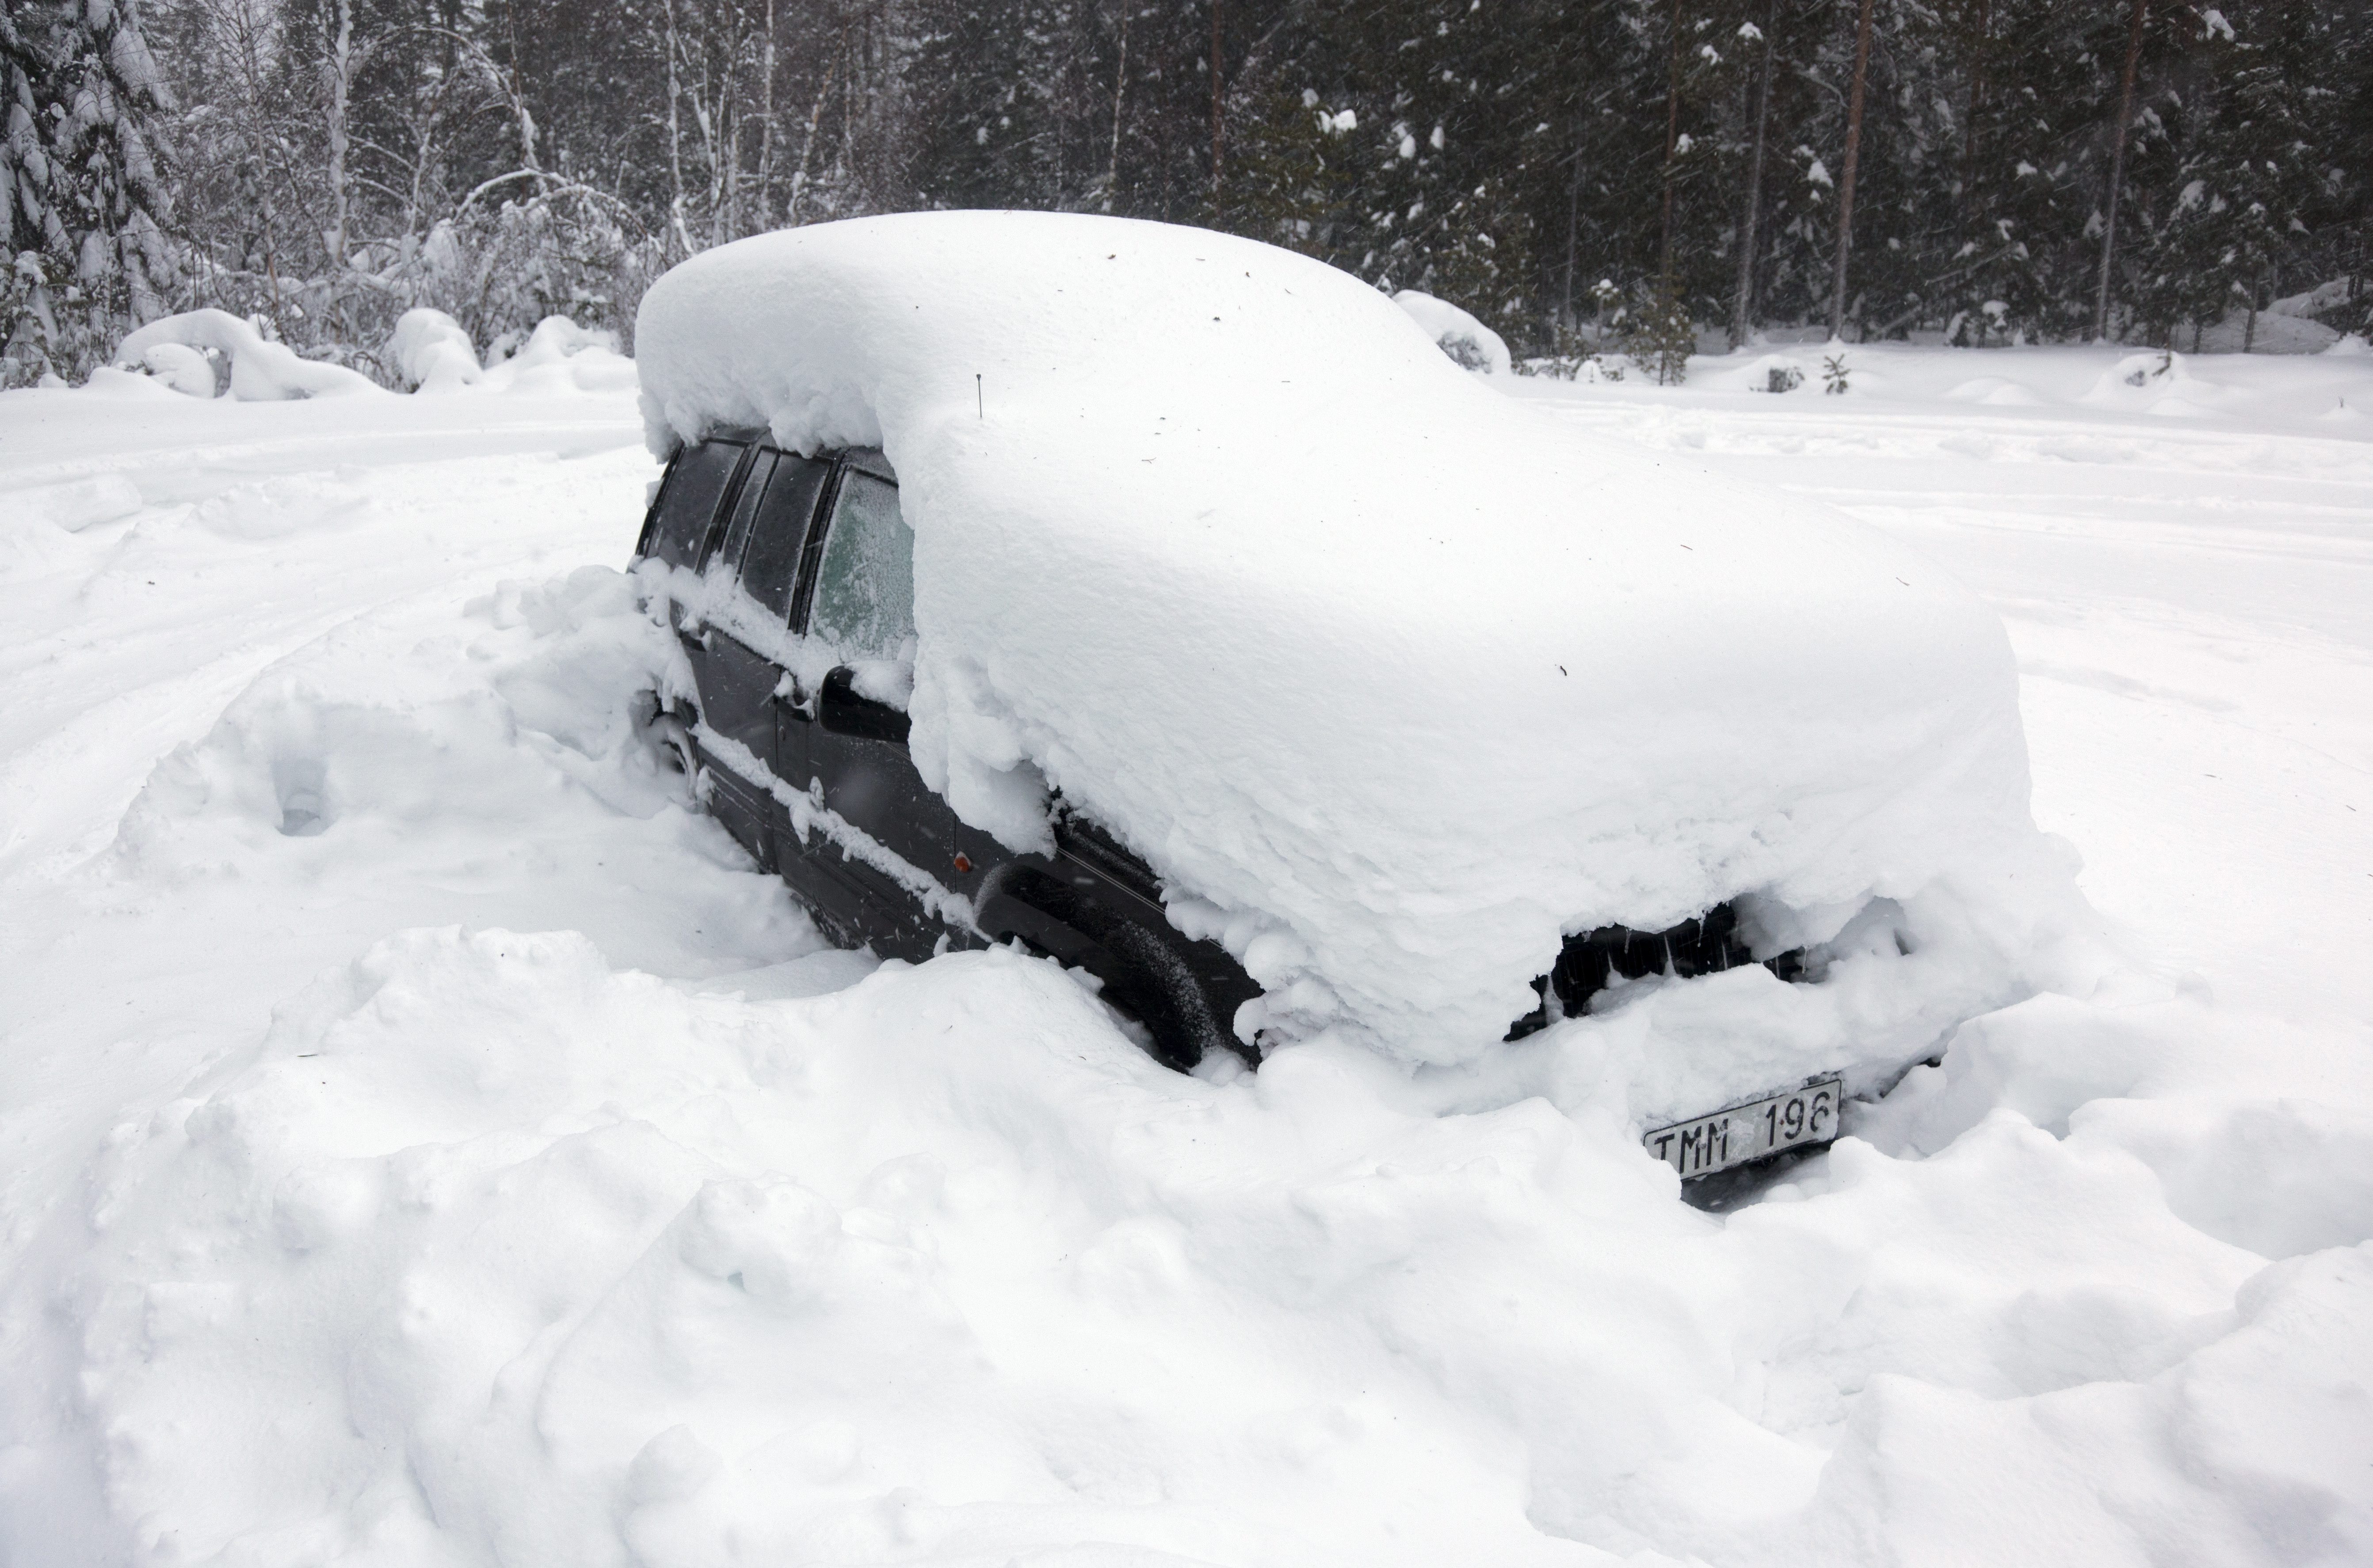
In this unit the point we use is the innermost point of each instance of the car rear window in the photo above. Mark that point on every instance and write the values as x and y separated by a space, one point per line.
695 481
770 562
865 591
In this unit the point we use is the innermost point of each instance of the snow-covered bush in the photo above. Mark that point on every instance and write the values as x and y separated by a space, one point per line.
185 369
561 355
429 351
261 370
1466 340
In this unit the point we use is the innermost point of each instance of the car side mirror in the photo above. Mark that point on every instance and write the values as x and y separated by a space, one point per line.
841 711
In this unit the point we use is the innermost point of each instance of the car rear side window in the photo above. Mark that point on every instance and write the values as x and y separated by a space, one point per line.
771 562
865 588
745 507
695 481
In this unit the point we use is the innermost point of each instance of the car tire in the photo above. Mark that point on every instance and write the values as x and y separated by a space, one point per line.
1153 985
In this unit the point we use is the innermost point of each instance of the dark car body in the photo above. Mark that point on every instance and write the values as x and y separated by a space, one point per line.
815 779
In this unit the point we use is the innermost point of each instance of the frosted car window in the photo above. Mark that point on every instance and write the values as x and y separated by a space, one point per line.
771 563
688 500
865 590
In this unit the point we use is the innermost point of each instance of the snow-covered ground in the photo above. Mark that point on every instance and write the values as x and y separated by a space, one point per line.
422 1141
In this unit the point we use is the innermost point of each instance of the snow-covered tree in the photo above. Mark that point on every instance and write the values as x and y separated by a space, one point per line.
110 203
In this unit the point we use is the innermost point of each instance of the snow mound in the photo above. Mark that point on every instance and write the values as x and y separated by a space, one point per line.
261 371
1466 340
1396 681
561 357
2160 384
77 503
432 352
2350 345
1996 392
1764 372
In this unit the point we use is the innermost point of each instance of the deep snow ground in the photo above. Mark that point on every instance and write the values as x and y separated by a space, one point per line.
422 1142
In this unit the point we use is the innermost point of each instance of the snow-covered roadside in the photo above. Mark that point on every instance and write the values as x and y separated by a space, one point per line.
424 1144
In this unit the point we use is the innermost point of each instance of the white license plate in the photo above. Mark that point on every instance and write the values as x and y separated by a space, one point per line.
1745 1133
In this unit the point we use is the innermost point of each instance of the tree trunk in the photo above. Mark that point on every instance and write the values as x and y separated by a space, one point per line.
1573 237
766 179
1120 87
676 138
2118 171
1217 39
517 92
1846 181
1743 303
340 67
249 49
341 72
1671 140
729 208
1970 126
807 148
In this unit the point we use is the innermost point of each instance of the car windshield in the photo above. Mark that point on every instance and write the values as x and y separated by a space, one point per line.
865 590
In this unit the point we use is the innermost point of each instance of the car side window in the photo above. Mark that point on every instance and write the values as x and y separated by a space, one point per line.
745 507
865 587
771 562
695 481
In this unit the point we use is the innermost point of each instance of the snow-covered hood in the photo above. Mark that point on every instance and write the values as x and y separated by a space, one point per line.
1394 682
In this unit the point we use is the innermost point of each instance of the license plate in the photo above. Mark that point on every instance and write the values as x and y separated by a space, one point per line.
1797 1119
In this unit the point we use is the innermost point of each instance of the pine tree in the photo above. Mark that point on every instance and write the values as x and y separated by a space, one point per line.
109 198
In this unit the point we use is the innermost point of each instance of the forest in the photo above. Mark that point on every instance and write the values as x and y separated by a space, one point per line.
1983 172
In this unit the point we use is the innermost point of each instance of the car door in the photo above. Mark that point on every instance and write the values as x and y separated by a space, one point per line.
858 597
754 542
735 739
686 528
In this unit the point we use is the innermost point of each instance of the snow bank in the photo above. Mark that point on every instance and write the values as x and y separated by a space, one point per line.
510 1256
1465 340
1394 682
260 371
432 352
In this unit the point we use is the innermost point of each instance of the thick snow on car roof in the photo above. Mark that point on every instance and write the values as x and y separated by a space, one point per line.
1394 682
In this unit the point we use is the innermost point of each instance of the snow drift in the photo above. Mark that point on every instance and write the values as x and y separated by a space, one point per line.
1394 682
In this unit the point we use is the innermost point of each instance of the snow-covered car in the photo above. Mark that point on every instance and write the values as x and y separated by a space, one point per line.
1167 603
